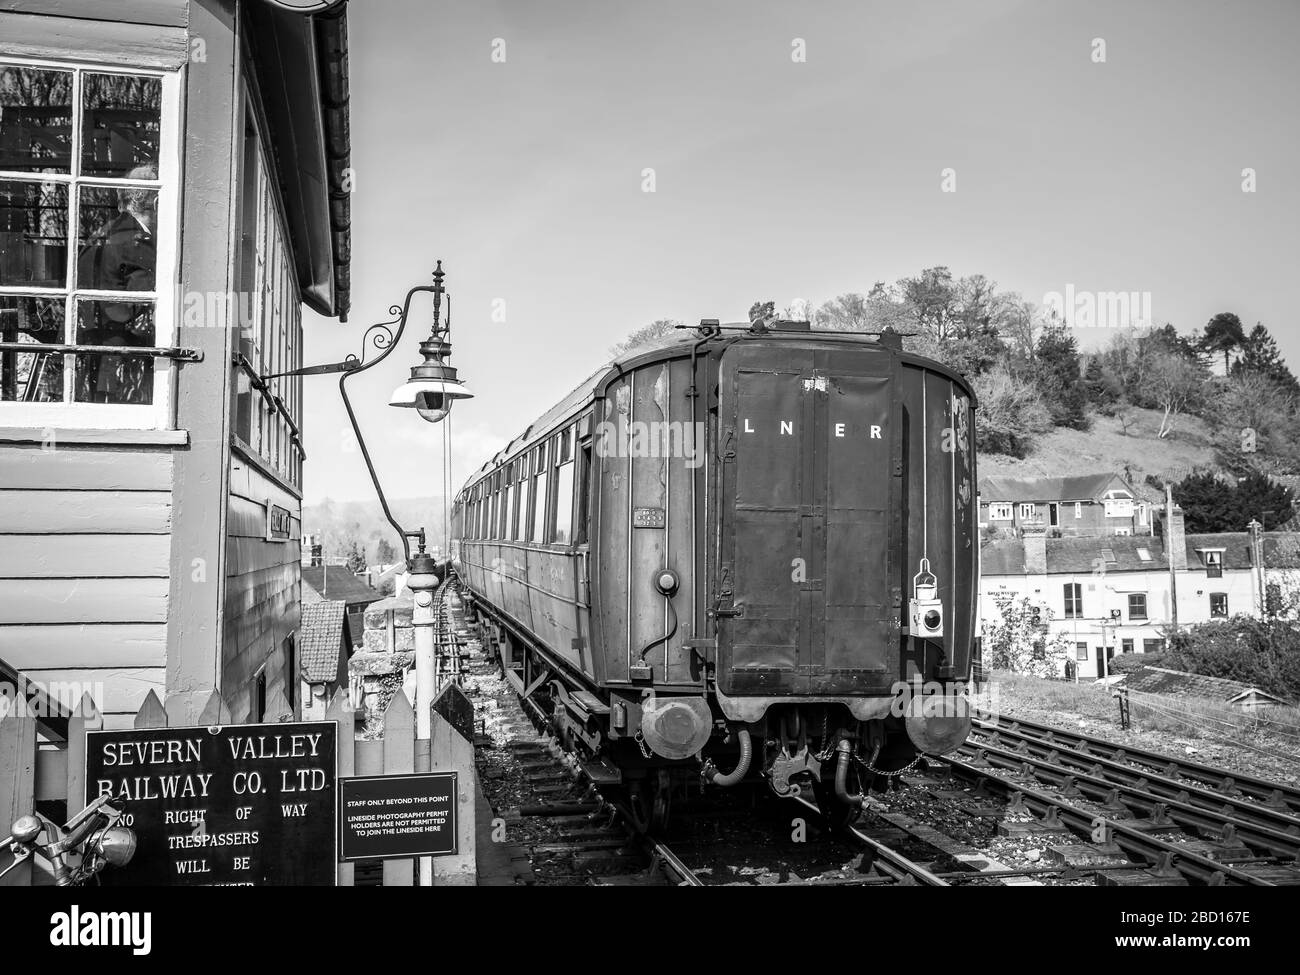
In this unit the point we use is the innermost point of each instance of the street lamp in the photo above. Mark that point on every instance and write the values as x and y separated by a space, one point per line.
431 390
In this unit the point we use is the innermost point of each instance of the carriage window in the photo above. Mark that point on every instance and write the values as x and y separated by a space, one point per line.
508 504
539 496
584 501
87 210
564 488
519 510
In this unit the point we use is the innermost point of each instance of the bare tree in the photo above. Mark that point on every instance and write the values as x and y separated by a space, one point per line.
1177 384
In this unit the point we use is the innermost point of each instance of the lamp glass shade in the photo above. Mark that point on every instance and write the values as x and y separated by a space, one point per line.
407 393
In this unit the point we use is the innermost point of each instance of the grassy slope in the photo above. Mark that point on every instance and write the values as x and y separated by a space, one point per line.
1063 452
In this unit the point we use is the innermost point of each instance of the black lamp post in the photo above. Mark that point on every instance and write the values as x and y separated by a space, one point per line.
430 391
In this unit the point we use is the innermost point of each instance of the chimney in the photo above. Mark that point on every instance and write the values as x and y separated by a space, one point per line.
1035 541
1175 538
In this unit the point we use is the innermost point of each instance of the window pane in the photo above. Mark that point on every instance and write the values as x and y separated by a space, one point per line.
33 234
31 377
120 122
539 508
109 378
115 242
564 504
35 120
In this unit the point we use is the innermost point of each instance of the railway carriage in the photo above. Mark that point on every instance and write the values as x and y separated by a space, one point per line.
746 553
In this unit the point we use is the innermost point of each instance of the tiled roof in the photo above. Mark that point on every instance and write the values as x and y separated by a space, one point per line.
321 639
1079 555
1159 680
336 582
1043 489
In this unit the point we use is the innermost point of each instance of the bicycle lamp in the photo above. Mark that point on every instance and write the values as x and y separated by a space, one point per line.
115 845
925 616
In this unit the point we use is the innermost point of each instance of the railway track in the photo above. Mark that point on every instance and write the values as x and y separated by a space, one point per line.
1189 774
1178 821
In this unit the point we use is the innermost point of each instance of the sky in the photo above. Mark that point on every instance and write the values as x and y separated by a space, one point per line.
798 150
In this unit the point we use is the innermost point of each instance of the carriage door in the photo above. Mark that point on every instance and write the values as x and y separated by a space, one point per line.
808 447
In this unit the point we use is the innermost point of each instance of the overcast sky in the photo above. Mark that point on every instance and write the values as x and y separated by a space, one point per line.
776 178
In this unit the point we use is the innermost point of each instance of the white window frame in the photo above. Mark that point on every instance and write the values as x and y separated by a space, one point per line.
1078 509
158 415
1119 507
1001 511
1123 531
1028 511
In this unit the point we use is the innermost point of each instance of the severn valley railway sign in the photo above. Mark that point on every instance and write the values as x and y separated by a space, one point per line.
249 804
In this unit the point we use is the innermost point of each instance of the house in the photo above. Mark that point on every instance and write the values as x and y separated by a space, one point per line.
1088 504
336 582
1113 595
174 176
326 643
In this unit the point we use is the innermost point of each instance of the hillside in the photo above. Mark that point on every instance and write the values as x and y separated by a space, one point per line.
1063 452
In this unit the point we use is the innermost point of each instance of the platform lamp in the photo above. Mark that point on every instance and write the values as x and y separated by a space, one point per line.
431 390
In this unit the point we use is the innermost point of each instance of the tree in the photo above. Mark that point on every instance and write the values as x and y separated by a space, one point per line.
1011 412
1207 503
1018 641
1056 372
1259 496
1211 504
1223 333
385 554
847 313
645 337
1102 388
356 559
1260 356
1261 652
1254 421
1177 384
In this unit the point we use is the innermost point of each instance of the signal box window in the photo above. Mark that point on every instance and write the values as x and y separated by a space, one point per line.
87 229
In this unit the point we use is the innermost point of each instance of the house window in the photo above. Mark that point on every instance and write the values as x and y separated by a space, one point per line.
564 464
1078 509
1213 563
1126 646
89 172
1123 531
1026 512
1073 600
1000 511
1218 604
1137 606
1119 507
1153 646
1081 651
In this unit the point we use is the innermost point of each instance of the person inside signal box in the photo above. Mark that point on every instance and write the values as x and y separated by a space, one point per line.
121 257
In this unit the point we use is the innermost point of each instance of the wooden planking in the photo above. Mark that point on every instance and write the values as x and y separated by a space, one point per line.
84 644
249 554
83 601
246 481
51 556
115 690
85 512
247 519
161 13
98 41
81 468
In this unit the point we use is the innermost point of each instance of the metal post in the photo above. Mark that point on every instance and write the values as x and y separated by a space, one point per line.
422 581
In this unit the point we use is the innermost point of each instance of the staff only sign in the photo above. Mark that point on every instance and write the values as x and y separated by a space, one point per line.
238 805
